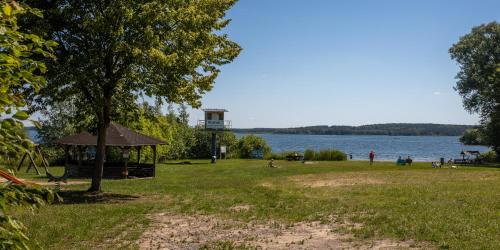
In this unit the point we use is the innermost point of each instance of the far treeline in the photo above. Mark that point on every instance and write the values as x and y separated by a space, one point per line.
395 129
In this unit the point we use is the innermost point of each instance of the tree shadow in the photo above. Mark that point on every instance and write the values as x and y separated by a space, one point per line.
186 163
84 197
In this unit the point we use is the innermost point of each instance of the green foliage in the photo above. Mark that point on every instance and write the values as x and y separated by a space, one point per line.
59 121
53 154
201 146
489 157
309 154
183 141
473 137
112 52
280 155
249 143
20 73
478 81
12 231
324 155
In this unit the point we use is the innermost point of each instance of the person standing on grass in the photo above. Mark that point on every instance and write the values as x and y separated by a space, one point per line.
372 156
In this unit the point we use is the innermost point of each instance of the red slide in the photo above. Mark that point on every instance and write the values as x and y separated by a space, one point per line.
11 178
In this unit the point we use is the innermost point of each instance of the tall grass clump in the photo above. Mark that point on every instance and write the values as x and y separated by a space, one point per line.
309 154
324 155
282 155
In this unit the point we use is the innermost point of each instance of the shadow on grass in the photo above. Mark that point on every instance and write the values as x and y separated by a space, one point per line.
83 197
186 163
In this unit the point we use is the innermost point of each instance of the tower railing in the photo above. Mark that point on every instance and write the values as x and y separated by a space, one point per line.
215 124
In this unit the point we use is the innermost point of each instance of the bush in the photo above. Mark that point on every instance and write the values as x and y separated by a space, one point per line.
54 155
200 147
489 157
324 155
309 154
473 137
249 143
281 155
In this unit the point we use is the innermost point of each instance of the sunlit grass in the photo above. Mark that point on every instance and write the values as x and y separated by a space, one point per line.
448 208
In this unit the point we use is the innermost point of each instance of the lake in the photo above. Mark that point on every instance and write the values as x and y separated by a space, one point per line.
420 148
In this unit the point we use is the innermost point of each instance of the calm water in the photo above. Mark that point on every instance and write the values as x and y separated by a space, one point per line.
420 148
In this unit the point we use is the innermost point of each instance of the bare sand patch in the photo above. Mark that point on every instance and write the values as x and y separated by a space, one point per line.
331 180
240 208
174 231
68 183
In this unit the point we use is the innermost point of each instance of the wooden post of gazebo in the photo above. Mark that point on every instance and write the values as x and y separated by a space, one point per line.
138 154
154 160
126 156
66 155
80 155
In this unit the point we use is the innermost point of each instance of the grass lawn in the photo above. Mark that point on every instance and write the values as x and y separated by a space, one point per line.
445 208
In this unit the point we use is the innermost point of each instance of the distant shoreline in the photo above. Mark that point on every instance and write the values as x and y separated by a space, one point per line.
389 129
269 133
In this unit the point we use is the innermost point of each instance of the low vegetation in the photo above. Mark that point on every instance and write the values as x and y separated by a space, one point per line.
474 137
436 208
12 198
324 155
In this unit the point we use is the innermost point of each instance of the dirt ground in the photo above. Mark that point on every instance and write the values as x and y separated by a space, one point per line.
45 183
174 231
336 181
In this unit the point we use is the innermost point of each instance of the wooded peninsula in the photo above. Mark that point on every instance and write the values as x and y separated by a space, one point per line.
394 129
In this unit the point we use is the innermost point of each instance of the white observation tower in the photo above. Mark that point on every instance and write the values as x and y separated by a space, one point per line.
214 122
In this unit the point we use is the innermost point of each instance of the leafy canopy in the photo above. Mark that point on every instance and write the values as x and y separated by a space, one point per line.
20 72
478 81
112 51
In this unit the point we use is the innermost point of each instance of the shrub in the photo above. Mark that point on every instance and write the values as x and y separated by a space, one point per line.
200 147
324 155
54 155
309 154
473 137
489 157
281 155
249 143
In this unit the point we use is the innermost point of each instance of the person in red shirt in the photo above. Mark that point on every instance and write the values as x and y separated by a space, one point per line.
372 156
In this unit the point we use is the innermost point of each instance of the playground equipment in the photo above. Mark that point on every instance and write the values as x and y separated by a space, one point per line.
37 152
6 175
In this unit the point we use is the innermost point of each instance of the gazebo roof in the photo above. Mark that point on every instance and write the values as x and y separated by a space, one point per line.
116 135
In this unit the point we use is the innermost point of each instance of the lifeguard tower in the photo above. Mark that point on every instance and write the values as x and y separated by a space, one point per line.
214 122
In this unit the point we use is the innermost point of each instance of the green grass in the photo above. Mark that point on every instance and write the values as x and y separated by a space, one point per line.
447 208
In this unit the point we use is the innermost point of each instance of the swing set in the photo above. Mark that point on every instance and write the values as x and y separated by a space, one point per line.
37 152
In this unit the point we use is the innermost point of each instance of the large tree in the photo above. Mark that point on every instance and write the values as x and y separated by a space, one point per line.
478 55
112 51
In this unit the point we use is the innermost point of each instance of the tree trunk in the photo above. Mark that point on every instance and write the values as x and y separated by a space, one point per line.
103 124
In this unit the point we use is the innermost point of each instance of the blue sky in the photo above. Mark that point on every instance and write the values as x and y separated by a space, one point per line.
345 62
